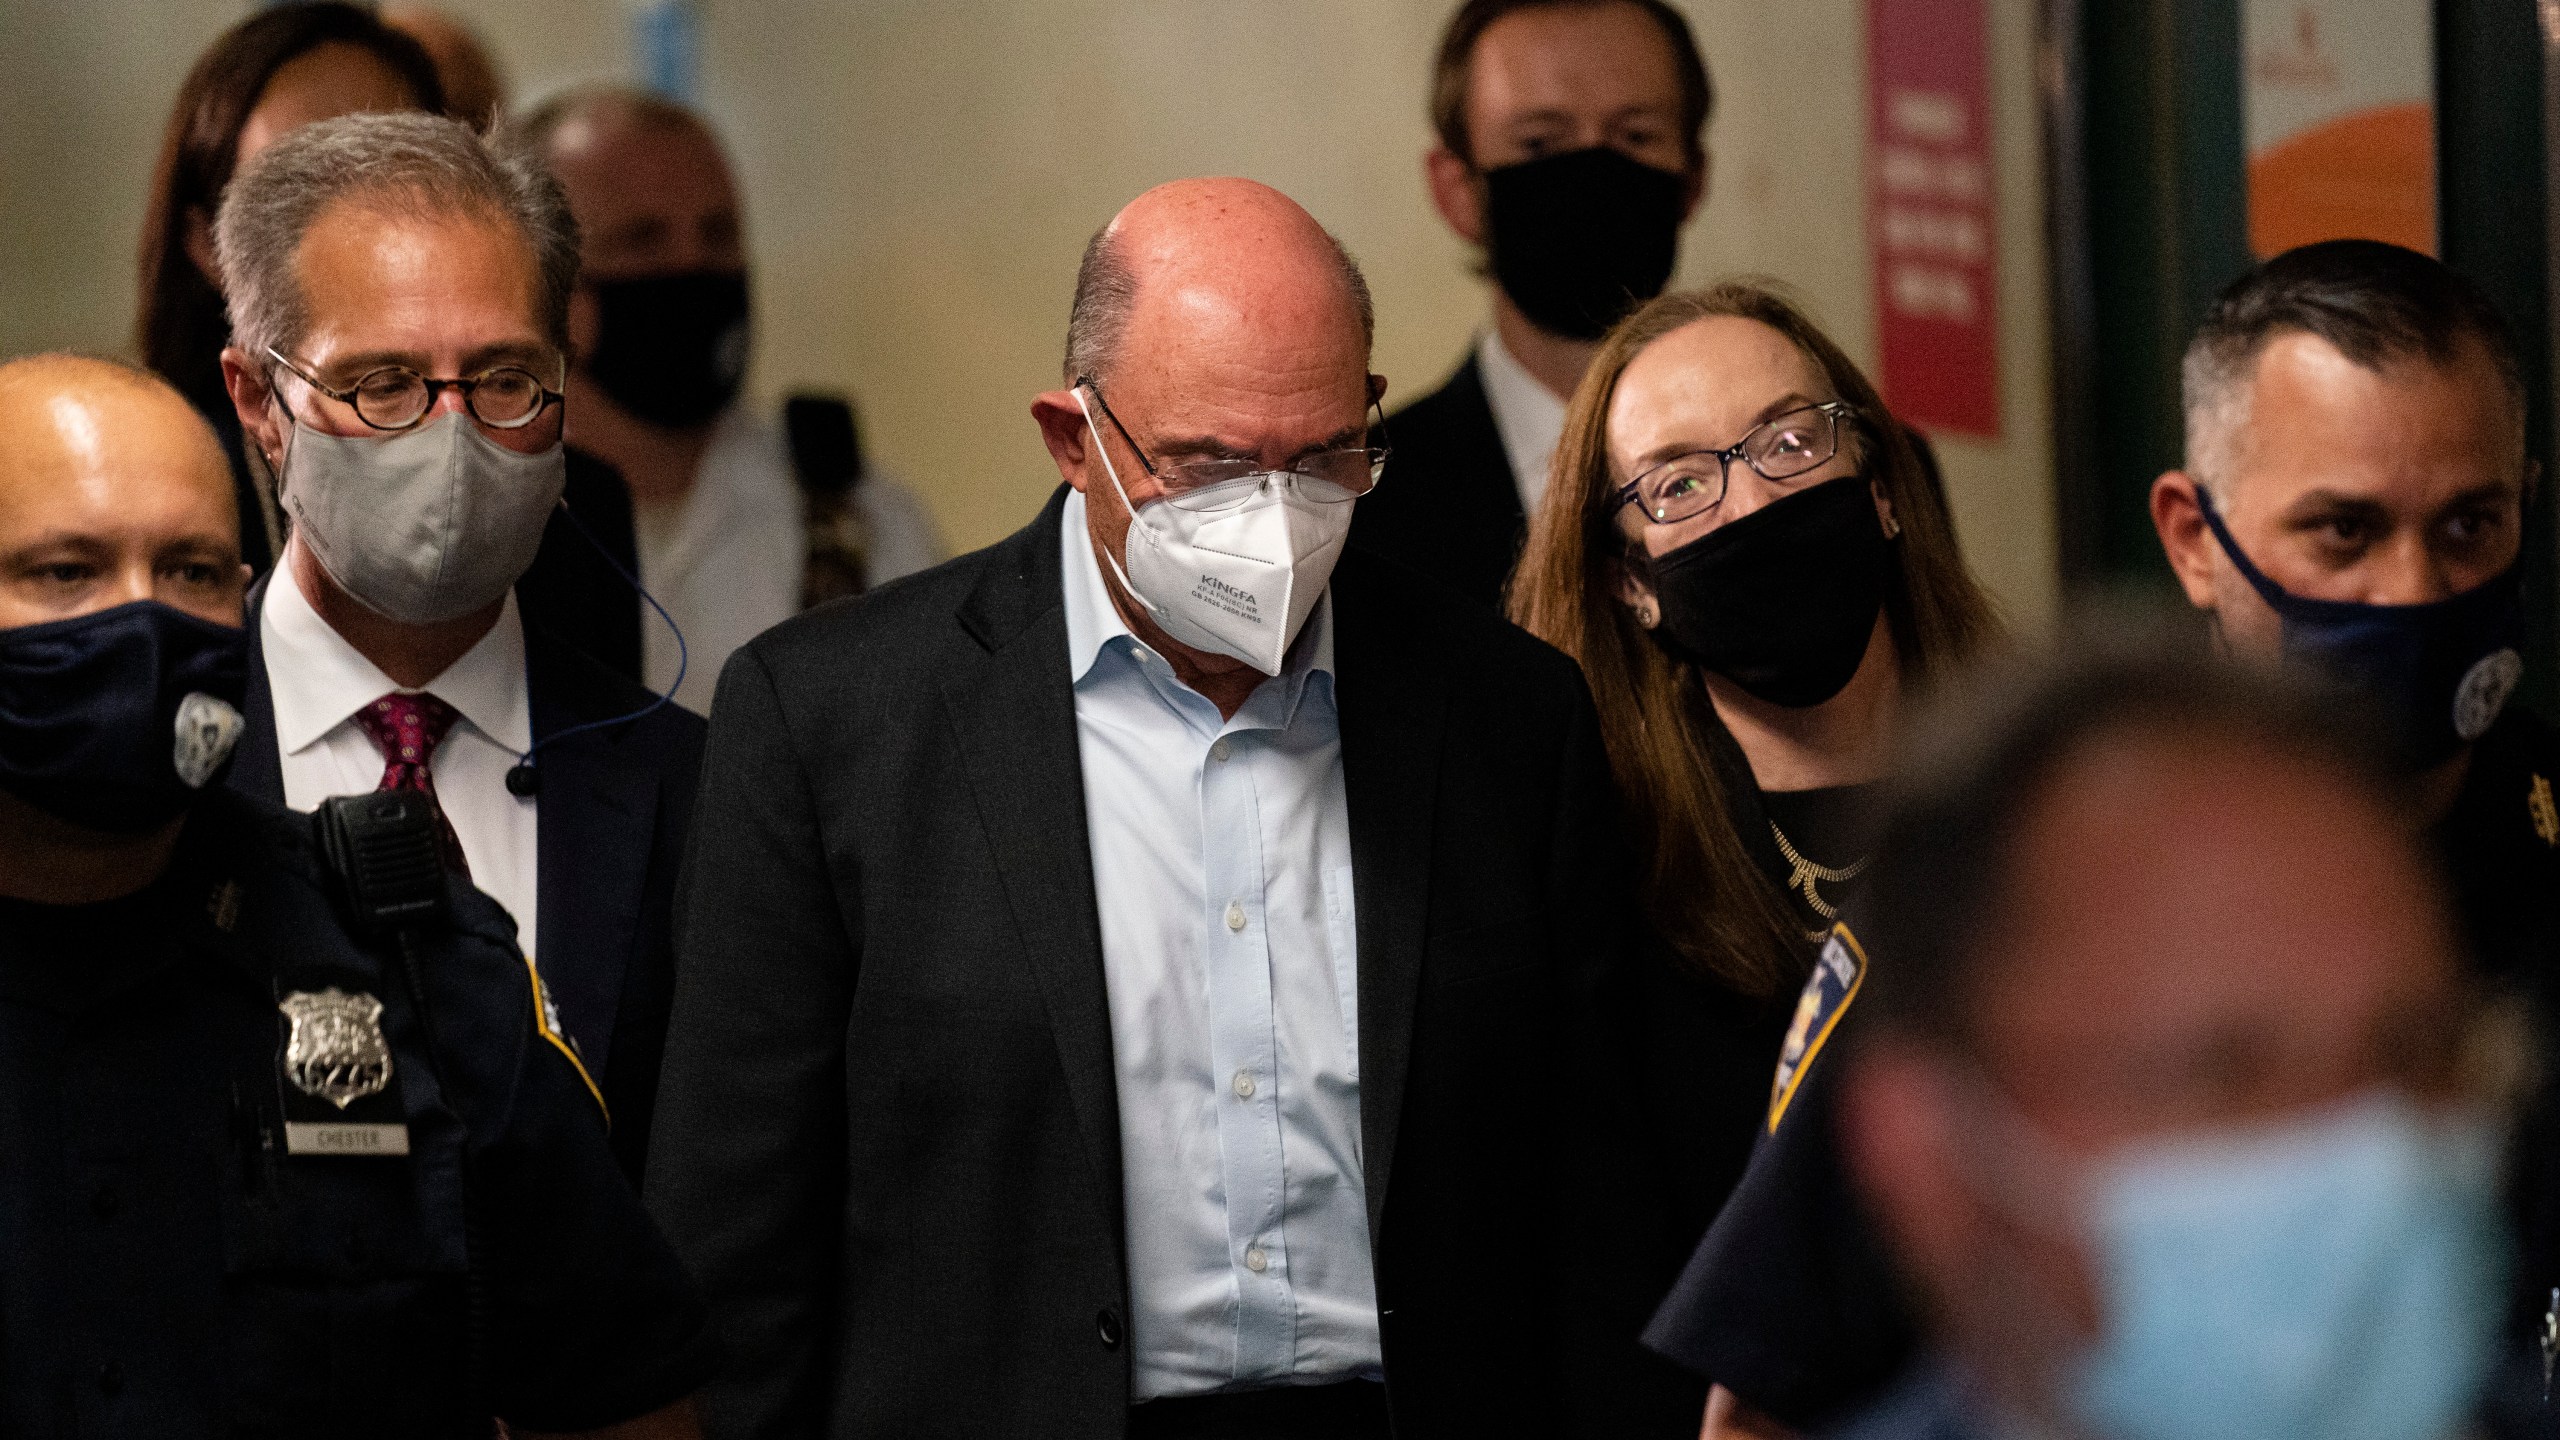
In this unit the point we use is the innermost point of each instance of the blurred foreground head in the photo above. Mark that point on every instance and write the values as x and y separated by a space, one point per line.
2166 1098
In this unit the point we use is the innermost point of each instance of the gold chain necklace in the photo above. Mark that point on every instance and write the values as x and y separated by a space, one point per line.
1804 873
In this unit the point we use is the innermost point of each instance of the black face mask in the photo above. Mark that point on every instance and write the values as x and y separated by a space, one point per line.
671 349
1782 601
1580 239
2440 672
113 721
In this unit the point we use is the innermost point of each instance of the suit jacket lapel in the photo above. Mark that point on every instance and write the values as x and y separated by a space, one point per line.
256 766
1013 715
591 854
1393 713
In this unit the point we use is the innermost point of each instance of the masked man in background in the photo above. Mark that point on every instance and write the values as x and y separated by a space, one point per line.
738 527
1167 984
1571 151
399 290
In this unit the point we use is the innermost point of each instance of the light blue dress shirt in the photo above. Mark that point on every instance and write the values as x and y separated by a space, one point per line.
1222 869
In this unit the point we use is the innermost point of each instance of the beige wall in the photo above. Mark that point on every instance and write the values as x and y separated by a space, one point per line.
921 177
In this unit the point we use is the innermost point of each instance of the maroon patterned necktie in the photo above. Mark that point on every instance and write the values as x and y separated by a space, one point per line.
407 729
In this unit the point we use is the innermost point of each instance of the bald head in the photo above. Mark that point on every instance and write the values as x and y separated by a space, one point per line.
112 489
649 185
1215 321
1215 251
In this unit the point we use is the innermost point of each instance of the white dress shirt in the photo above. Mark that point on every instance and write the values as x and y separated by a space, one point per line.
1222 869
726 559
1526 414
320 681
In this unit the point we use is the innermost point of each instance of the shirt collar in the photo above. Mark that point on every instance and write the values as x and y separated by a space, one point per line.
318 679
1093 622
1527 415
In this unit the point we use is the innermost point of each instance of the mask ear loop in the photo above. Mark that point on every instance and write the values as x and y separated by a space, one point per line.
2268 590
1114 472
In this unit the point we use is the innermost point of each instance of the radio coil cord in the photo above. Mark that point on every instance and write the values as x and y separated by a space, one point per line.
524 778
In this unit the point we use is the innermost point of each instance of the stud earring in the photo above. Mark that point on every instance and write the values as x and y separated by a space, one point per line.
1892 526
1647 616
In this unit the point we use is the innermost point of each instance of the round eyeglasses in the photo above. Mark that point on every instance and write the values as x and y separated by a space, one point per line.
395 397
1783 447
1328 477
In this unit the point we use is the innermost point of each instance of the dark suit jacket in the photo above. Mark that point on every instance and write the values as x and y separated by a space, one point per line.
615 806
572 590
888 1135
1447 505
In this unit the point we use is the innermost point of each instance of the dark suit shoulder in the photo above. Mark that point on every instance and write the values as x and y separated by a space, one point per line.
1447 504
585 689
1459 398
905 632
1479 651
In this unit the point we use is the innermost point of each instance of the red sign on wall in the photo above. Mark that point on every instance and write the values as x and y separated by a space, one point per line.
1930 216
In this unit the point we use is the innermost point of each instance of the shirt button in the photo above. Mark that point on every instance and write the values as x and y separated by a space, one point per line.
111 1377
1221 750
1106 1324
104 1204
1244 1084
1235 914
1255 1260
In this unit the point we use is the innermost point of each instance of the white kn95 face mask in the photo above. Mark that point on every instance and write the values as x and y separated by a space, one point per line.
1235 572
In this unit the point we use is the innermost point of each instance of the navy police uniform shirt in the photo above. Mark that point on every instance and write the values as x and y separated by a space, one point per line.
208 1224
1791 1303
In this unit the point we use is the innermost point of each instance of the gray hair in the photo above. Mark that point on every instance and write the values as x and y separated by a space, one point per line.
2378 304
1107 291
406 164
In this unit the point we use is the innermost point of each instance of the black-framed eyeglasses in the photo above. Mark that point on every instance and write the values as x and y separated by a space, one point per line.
1328 477
395 397
1783 447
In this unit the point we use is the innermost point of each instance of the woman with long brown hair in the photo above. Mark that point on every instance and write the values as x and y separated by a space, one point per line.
1754 564
279 69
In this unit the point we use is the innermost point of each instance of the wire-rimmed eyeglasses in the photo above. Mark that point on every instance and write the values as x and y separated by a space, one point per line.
1783 447
1327 476
395 397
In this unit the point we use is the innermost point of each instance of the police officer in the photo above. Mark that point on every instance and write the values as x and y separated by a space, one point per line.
267 1173
2353 499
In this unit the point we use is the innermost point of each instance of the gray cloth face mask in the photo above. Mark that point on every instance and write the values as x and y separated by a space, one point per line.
426 525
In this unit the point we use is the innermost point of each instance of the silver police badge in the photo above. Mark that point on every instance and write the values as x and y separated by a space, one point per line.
336 1051
208 729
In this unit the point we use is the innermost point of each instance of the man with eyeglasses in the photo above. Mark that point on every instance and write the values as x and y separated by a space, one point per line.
398 291
1147 978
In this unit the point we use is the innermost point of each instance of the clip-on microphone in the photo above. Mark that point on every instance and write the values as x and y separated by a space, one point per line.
524 778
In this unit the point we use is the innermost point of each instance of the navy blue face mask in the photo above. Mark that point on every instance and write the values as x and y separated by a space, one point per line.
2441 672
114 720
